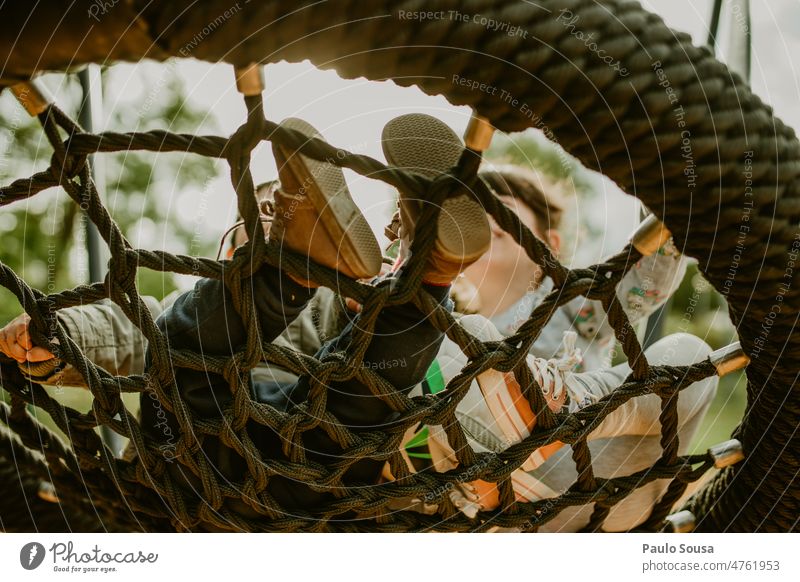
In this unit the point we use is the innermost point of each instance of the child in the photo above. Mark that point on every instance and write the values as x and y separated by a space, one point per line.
313 215
506 286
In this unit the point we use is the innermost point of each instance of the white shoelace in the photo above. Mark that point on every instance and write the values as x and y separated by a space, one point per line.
554 374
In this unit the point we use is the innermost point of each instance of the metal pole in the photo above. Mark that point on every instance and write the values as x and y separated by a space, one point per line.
713 27
90 118
739 37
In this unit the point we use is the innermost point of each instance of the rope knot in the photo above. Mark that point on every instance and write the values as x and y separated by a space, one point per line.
65 167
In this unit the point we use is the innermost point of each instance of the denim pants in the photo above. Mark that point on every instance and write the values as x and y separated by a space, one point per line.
204 320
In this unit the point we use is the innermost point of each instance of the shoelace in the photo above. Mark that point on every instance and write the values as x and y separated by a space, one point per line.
553 375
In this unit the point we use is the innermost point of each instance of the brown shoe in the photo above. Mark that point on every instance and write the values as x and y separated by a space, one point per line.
315 215
422 144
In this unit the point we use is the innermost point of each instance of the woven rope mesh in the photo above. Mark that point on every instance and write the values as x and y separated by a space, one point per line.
626 129
146 478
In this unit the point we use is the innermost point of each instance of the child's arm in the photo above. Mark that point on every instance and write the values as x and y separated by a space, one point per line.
104 334
651 281
645 288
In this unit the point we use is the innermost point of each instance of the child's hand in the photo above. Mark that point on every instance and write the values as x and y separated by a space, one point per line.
15 342
352 304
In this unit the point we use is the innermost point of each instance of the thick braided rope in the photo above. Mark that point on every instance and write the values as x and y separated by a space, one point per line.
678 127
632 129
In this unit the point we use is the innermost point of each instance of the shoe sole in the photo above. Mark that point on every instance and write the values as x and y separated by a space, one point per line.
326 188
424 145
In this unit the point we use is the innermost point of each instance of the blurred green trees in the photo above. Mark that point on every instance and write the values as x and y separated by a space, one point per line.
43 238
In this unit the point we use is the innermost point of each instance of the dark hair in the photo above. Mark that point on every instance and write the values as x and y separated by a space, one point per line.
526 186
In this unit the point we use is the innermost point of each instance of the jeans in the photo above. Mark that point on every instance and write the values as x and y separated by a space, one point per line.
204 320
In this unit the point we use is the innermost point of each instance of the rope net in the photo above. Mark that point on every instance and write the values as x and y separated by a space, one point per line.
142 493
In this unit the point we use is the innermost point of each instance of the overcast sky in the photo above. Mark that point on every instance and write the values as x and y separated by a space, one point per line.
776 45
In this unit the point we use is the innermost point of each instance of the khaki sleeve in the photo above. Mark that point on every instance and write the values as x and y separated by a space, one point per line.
107 338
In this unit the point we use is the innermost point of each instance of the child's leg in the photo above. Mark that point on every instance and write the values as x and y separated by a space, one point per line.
403 346
629 439
404 343
204 320
314 215
639 416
